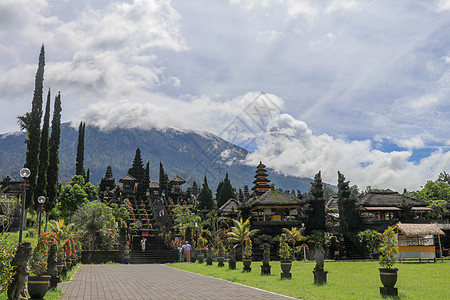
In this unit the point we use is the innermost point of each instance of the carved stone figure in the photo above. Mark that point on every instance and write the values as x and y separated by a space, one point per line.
266 254
17 289
52 270
320 259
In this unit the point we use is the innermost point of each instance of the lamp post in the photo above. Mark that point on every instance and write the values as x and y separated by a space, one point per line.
24 173
41 201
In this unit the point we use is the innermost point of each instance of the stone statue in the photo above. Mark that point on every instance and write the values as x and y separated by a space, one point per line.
266 254
17 288
52 270
51 261
320 258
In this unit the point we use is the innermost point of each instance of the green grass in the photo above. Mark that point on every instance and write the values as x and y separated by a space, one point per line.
70 273
14 236
346 280
50 295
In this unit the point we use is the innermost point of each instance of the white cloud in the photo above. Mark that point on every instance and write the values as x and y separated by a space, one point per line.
291 148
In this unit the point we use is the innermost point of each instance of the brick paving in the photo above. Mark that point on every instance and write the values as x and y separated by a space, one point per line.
153 281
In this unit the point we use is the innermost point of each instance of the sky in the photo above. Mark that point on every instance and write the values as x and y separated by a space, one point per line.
360 87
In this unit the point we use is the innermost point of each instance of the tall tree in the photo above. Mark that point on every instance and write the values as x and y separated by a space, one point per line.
34 130
53 167
162 180
205 197
88 175
79 169
226 191
41 187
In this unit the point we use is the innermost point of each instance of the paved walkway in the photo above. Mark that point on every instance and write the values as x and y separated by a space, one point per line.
153 282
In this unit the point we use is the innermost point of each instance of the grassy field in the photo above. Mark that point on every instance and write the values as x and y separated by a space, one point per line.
346 280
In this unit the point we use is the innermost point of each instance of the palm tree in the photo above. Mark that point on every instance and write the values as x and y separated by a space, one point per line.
241 231
294 235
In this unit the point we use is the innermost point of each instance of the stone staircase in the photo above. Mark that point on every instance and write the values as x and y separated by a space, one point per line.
148 212
351 251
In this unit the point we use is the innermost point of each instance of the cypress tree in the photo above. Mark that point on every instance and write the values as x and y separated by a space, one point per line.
41 186
79 168
226 191
88 175
53 167
34 130
162 180
205 197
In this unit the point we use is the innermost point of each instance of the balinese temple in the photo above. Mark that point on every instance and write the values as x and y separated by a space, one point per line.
383 208
176 183
129 186
261 182
107 183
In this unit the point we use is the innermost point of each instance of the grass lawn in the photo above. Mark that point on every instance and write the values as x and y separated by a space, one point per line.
346 280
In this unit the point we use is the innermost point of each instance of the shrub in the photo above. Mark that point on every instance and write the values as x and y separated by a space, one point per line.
7 252
285 251
371 239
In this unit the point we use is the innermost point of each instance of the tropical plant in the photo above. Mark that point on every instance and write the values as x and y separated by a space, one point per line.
220 249
388 248
247 252
285 251
293 236
38 259
241 232
7 252
371 239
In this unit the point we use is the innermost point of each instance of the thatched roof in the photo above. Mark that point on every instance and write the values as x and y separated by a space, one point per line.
177 180
127 178
418 229
388 198
153 185
229 206
274 198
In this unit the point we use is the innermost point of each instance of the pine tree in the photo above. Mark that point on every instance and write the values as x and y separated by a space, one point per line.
205 197
162 180
34 130
53 167
79 168
88 175
241 196
145 181
41 187
226 191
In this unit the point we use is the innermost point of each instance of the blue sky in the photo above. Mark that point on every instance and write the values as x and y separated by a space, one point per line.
356 86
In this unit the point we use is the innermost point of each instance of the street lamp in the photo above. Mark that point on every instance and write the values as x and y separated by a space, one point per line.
24 173
41 201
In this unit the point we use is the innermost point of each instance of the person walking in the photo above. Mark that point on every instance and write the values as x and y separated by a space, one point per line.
143 244
187 251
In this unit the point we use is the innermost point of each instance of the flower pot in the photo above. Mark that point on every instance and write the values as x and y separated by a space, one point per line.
247 263
200 258
286 265
220 260
388 276
59 268
38 285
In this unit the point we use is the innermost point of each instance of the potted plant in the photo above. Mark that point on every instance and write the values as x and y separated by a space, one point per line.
38 282
247 254
388 250
220 254
285 253
200 248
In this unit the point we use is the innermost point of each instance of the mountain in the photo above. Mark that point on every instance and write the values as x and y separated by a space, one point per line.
186 153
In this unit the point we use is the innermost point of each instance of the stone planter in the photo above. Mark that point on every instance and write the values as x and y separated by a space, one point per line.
389 279
320 277
247 262
38 285
232 264
200 257
286 266
220 260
